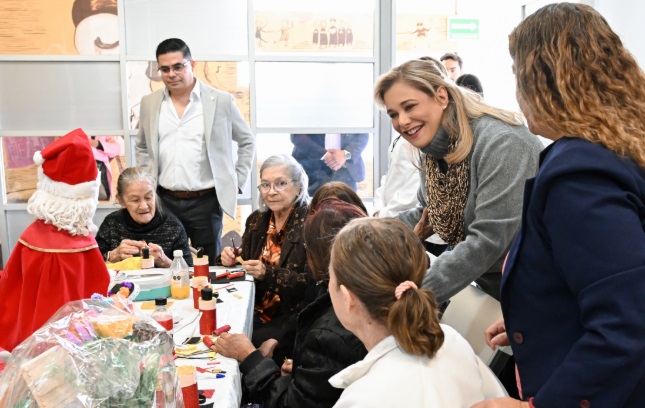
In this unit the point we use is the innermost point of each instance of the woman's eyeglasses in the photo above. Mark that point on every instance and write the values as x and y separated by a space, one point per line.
177 68
279 185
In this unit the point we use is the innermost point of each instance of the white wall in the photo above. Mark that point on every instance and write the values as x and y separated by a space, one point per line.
488 57
626 18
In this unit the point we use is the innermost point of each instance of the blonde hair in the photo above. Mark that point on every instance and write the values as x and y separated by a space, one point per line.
591 89
371 257
462 105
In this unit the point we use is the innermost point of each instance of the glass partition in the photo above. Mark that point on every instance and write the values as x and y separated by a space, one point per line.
269 144
209 27
231 77
21 174
60 95
59 27
308 94
312 28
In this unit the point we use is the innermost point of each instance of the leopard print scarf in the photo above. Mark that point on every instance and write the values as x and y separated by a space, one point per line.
447 193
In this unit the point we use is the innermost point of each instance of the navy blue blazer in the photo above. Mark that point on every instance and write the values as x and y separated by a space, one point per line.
573 286
309 148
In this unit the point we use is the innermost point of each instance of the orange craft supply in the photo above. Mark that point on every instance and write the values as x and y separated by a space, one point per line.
188 383
200 264
208 307
198 283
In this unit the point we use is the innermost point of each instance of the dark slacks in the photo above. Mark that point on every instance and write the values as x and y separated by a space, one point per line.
202 219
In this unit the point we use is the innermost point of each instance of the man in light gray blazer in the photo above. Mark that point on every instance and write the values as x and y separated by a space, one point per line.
185 141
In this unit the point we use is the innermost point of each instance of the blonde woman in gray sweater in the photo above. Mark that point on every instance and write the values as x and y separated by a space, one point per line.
474 161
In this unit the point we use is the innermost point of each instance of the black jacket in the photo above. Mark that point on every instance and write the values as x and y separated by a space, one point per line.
288 279
323 348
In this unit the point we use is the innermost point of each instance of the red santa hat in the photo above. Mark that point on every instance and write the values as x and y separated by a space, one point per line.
67 167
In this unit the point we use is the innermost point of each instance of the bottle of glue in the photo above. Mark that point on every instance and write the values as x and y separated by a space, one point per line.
208 307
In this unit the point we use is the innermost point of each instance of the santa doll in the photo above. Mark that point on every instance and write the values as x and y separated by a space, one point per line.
56 259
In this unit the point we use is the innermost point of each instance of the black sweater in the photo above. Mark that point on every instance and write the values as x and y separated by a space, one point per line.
164 230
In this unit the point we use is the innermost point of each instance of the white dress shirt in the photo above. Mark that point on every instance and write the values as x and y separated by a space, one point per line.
183 159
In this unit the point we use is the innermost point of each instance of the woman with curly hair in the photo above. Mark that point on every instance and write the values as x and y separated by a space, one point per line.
474 161
574 279
377 265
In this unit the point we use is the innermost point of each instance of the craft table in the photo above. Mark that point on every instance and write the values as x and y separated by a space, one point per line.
236 311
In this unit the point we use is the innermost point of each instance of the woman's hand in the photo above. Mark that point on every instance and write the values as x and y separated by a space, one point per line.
287 367
496 334
255 268
161 260
228 256
126 249
506 402
268 347
423 229
237 346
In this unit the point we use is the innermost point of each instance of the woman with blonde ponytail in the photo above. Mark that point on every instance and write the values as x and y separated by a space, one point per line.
377 265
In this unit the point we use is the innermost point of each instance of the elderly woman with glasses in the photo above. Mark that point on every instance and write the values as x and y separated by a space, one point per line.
273 251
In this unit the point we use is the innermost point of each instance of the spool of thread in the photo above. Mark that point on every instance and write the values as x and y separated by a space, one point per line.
208 341
208 307
188 383
198 283
146 261
200 263
223 329
235 275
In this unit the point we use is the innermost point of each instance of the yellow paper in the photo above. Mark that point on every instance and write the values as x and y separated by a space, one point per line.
129 264
150 304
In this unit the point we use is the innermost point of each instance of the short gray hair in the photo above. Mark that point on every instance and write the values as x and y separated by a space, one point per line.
134 174
295 172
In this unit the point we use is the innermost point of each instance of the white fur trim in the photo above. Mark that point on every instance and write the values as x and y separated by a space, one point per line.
88 189
38 158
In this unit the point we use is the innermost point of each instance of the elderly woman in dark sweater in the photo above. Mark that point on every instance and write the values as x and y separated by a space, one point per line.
141 223
323 347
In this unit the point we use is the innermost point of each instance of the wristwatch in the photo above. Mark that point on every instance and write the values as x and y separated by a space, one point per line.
348 155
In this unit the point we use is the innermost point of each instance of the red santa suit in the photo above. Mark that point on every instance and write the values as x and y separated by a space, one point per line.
50 266
47 269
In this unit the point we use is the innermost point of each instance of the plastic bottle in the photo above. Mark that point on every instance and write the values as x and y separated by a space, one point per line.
179 282
162 315
208 307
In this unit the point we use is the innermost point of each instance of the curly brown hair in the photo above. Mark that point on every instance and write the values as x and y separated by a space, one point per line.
574 73
371 257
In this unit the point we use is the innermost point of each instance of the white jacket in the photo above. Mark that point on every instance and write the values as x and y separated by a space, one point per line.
398 190
390 377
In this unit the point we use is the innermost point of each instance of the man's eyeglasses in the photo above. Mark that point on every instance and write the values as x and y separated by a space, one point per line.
177 68
279 185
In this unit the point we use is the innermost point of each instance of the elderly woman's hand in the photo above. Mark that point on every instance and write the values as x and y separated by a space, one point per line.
126 249
228 256
255 268
237 346
161 260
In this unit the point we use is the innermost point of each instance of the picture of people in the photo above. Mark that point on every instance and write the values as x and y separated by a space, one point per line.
308 32
427 34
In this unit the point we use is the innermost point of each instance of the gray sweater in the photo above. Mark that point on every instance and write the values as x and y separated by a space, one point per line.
503 156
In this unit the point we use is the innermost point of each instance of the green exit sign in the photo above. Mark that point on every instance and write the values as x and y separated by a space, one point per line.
463 28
